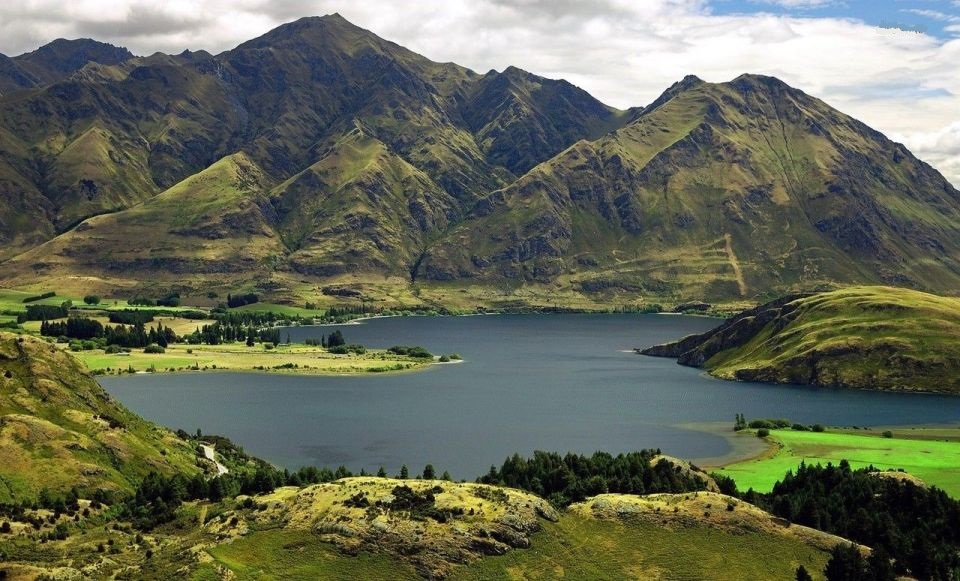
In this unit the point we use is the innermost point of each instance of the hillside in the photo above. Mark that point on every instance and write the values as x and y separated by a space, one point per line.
122 132
718 191
860 337
374 167
508 533
59 429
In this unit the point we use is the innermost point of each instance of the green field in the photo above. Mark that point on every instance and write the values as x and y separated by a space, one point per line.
292 358
935 461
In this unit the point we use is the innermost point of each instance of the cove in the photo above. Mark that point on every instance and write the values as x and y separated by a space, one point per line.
528 382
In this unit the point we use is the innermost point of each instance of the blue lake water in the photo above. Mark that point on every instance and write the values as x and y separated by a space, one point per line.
528 382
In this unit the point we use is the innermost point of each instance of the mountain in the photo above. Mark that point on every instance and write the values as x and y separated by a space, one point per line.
862 337
718 191
60 429
55 62
320 152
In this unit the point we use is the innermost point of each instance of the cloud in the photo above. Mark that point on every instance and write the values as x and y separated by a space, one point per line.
623 51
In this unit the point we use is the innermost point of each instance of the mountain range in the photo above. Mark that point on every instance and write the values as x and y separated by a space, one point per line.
322 153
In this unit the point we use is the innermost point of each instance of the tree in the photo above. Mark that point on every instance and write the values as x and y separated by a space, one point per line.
404 473
428 472
845 564
381 473
91 300
336 339
802 574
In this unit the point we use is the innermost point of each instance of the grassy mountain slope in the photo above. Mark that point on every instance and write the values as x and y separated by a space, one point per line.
213 224
59 429
504 182
718 191
118 132
865 337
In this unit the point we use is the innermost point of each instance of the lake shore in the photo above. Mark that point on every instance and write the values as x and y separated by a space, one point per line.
743 446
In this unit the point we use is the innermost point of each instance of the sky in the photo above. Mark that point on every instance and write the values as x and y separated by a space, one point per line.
894 64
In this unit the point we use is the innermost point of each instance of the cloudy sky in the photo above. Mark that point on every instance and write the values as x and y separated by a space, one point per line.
891 63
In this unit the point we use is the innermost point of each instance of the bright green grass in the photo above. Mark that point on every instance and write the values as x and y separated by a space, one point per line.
282 554
935 462
288 310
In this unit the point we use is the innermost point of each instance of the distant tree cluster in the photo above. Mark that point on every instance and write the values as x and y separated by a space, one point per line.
417 352
135 336
46 312
169 300
919 528
572 478
234 301
40 297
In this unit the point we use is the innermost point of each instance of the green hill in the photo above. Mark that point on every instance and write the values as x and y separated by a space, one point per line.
59 429
862 337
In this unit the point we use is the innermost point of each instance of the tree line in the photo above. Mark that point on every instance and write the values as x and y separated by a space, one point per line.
571 478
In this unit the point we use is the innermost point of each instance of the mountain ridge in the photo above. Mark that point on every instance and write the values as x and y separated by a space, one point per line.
716 191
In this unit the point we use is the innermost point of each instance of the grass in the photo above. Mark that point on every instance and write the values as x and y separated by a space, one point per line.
297 554
294 358
576 548
875 337
935 461
585 548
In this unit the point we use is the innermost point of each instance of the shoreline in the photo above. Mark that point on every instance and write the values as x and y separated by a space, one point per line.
743 445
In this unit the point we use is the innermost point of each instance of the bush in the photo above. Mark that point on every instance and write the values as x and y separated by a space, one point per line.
154 349
91 300
418 352
763 433
817 428
444 359
887 434
799 428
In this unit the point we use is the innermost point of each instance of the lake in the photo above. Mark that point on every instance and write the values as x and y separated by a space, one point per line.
528 382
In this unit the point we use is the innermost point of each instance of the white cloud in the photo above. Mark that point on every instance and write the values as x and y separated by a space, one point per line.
623 51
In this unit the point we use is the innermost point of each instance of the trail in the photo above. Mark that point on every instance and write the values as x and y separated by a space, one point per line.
209 455
737 273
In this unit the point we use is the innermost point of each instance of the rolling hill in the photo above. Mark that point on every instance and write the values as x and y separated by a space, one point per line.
861 337
59 429
369 165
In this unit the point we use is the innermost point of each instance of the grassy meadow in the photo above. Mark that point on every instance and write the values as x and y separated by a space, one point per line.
931 455
293 358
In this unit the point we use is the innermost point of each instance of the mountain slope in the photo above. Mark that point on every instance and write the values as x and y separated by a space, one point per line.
863 337
55 62
377 164
59 429
120 131
216 223
719 191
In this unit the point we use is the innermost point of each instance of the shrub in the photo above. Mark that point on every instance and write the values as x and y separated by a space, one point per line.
887 434
799 428
763 433
91 300
817 428
444 359
154 349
